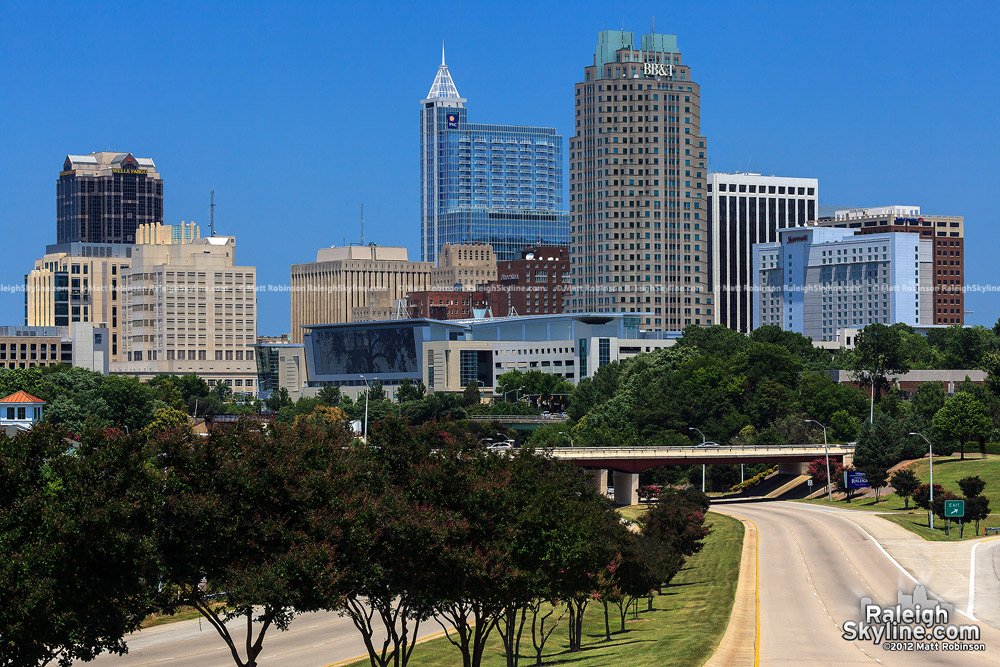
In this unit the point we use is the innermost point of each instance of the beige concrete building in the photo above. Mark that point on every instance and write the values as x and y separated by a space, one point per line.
81 344
78 282
464 267
352 284
639 226
159 234
189 308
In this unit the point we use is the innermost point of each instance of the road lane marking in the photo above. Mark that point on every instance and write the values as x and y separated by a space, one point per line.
972 577
421 640
756 594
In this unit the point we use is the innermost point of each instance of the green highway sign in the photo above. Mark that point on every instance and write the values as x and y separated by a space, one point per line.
954 509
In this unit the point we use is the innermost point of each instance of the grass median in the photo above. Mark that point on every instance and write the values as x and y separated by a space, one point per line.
947 471
684 628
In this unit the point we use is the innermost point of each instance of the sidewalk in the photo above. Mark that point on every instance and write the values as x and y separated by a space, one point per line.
943 567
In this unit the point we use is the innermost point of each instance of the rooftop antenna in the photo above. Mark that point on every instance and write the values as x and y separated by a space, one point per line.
362 223
211 213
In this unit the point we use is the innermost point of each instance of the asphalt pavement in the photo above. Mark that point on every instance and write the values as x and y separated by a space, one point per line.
321 639
815 566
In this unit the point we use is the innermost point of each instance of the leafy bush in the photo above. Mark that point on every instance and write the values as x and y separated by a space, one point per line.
753 481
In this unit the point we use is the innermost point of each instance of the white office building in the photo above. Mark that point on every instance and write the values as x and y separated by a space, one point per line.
744 209
818 281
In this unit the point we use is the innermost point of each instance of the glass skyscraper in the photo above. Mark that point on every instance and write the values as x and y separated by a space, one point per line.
496 184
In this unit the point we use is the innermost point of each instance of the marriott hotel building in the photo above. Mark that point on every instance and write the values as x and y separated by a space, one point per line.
638 218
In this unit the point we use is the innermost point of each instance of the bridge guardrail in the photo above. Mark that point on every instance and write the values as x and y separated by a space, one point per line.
653 448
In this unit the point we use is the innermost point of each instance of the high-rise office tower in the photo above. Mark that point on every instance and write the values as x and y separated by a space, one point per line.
104 197
745 209
495 184
638 222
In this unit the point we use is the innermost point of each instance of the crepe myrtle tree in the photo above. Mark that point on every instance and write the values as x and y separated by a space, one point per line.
252 525
78 567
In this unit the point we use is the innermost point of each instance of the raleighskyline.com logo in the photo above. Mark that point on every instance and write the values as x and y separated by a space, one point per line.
914 623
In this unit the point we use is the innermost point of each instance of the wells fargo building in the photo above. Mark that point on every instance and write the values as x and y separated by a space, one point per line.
104 197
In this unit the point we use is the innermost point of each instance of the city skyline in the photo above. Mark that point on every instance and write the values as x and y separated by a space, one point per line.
883 140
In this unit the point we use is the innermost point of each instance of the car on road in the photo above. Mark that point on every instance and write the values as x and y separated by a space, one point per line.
502 446
708 444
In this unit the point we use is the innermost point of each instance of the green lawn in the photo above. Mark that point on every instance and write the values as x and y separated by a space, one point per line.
684 628
947 471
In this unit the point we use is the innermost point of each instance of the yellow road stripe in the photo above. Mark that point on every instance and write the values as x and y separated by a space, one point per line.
437 634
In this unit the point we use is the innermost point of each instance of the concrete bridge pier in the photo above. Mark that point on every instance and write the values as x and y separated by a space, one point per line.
626 486
598 481
793 468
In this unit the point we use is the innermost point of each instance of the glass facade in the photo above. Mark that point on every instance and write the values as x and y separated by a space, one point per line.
496 184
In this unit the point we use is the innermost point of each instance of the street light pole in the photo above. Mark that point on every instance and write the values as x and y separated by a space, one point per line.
930 450
703 439
871 409
826 450
367 397
568 436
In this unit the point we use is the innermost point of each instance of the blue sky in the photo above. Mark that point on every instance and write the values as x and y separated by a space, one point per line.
296 113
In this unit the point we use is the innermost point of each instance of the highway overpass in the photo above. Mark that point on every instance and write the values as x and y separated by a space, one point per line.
627 462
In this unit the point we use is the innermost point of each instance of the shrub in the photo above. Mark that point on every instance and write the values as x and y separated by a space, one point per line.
753 481
921 497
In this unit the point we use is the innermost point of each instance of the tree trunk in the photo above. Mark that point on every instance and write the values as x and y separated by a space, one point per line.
607 625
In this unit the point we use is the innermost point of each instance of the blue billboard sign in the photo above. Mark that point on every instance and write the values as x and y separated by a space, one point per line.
855 480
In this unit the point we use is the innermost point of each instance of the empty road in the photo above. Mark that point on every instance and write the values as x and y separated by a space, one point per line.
313 640
814 568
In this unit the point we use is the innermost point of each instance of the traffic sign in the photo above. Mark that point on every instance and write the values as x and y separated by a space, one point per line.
954 509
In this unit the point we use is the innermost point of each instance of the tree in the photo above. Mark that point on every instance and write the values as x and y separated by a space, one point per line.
906 482
398 543
279 398
78 565
977 508
971 486
817 470
878 450
328 395
330 419
843 427
131 403
408 391
258 517
928 399
221 392
961 347
375 392
877 356
166 419
716 339
921 497
962 419
472 394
